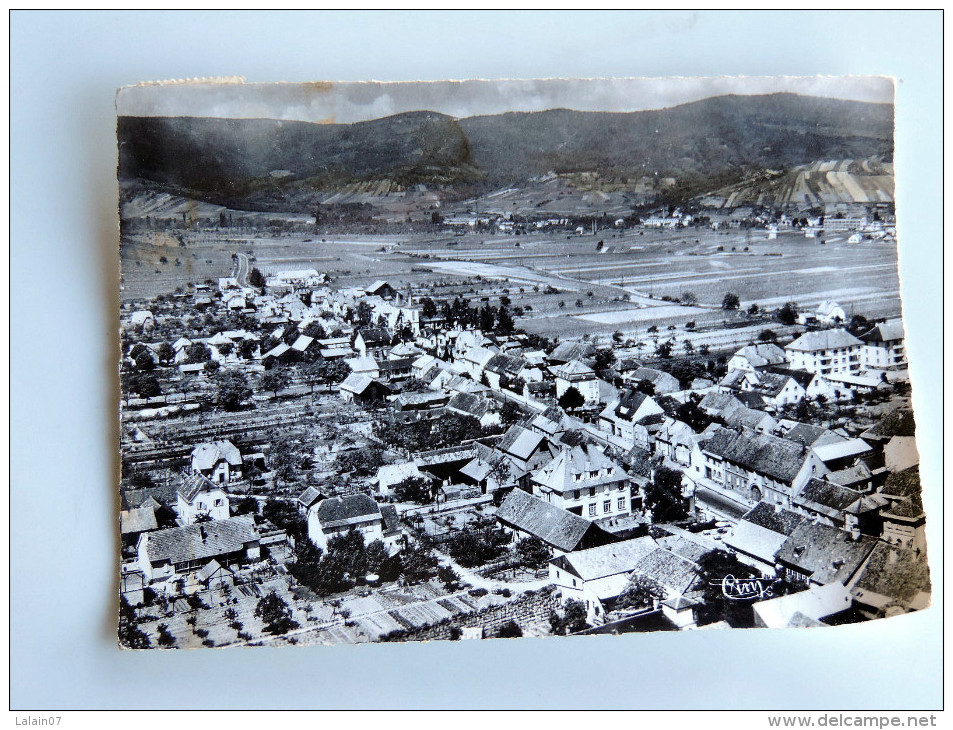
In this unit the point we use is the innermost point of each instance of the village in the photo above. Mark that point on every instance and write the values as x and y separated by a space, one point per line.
311 463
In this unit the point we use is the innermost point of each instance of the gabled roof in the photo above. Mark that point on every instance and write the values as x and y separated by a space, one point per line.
391 474
663 382
197 542
207 455
374 336
302 343
829 308
768 455
574 369
377 286
478 355
896 423
889 331
343 511
471 404
809 435
771 384
192 485
362 364
804 608
842 449
583 460
308 497
736 379
566 351
851 475
774 518
825 553
276 351
828 499
209 570
612 559
396 363
425 397
675 574
356 383
719 404
553 525
824 340
762 355
142 519
509 364
164 494
802 377
894 574
630 403
390 517
762 531
640 462
904 483
745 417
520 442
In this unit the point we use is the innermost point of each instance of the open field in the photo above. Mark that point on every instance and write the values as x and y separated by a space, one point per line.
568 285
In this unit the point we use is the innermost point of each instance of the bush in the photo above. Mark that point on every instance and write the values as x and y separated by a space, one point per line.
509 630
478 592
572 620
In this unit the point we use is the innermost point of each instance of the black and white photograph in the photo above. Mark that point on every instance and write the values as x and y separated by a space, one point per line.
471 360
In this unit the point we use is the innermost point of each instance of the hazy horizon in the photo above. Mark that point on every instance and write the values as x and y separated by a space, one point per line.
350 102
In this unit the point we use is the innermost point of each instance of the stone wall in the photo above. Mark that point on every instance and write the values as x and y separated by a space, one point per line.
526 610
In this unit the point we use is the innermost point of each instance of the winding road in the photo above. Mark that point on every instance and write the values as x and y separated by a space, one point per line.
244 267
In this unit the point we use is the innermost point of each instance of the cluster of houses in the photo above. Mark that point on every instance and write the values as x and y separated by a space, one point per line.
820 507
184 536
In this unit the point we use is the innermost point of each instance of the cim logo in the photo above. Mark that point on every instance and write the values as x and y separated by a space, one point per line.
746 589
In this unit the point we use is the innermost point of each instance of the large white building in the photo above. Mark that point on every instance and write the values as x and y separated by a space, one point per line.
825 352
586 482
883 347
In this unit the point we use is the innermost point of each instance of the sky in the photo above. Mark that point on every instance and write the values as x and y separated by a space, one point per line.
348 102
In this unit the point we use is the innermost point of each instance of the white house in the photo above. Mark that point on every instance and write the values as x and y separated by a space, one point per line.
198 497
218 461
621 416
755 357
830 312
583 480
824 352
883 347
179 551
578 375
336 516
598 574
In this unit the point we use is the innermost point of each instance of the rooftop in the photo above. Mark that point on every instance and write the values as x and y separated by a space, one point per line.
824 340
553 525
197 542
206 456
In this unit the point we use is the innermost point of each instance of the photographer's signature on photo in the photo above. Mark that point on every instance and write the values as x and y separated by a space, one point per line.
746 589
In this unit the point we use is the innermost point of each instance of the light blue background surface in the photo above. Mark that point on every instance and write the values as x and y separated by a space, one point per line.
65 68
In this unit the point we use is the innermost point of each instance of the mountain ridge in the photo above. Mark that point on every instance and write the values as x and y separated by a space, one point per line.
233 160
